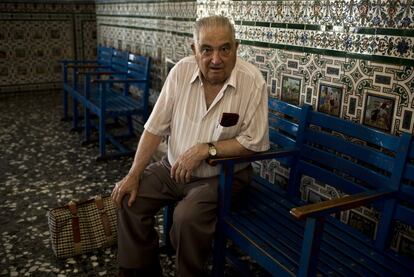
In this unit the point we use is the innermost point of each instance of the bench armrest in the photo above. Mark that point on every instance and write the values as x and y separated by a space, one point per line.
339 204
102 73
270 154
88 66
77 61
121 81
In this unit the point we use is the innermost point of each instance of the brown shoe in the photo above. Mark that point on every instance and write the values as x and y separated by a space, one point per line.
127 272
153 271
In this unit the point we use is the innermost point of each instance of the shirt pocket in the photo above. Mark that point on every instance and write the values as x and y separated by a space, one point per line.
222 133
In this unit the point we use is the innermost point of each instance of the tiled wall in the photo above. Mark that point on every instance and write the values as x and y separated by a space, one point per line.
347 58
351 58
160 29
35 35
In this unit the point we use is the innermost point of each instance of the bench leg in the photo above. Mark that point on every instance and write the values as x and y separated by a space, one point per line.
65 106
224 195
102 134
312 238
219 257
130 125
75 119
167 248
87 128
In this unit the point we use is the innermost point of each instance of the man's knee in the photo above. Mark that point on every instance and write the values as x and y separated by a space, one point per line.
184 215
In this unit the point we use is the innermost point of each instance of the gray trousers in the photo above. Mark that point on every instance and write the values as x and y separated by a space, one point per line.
194 220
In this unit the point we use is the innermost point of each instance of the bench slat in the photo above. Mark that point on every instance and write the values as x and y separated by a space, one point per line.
355 130
266 257
284 107
409 172
259 203
285 233
283 124
362 173
280 139
252 237
329 177
357 151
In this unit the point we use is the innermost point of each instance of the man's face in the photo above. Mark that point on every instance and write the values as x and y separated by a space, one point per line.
216 54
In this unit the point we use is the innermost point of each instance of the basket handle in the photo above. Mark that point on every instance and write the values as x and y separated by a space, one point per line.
104 216
75 227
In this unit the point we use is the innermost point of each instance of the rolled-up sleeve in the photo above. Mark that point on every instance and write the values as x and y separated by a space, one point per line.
255 133
159 121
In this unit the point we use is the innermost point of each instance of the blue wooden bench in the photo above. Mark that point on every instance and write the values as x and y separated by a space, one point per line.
111 98
71 67
288 236
115 68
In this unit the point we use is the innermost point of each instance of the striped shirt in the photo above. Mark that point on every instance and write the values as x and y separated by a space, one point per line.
181 111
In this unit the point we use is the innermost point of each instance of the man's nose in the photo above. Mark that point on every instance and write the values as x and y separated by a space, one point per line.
216 59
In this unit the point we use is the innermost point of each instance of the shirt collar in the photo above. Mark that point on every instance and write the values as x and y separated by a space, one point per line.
196 75
231 81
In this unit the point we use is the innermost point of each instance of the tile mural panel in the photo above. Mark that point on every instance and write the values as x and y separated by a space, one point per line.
34 36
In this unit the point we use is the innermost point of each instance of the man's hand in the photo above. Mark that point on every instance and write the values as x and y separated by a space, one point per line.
128 185
188 161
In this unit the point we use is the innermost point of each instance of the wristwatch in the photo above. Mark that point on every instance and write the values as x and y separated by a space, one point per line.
212 151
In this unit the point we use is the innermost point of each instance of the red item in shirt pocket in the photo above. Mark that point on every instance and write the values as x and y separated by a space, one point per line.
229 119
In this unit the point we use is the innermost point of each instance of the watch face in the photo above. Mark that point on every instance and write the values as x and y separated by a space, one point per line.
212 150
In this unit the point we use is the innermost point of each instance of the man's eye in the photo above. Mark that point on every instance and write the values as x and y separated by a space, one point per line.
206 51
225 49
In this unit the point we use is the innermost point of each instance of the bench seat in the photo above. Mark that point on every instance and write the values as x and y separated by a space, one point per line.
112 98
109 62
267 227
103 61
104 90
117 103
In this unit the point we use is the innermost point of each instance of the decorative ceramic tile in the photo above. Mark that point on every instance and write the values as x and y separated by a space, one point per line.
141 26
35 36
357 78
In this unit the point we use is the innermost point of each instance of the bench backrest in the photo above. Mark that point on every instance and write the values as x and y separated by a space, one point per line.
119 61
104 55
351 158
284 122
139 67
404 209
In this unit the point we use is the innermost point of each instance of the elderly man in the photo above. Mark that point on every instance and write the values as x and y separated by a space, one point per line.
213 104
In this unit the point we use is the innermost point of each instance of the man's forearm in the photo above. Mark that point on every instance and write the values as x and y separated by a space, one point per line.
230 148
147 146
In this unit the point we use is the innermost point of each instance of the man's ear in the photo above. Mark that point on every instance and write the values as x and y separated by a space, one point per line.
237 44
193 48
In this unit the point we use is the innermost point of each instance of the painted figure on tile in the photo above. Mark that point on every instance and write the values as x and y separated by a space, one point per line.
392 12
379 112
363 8
291 88
330 99
317 9
212 104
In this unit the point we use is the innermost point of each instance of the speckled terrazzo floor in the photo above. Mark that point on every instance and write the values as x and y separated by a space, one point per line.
43 165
